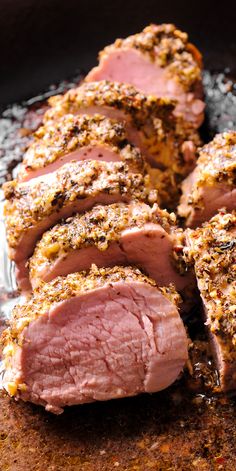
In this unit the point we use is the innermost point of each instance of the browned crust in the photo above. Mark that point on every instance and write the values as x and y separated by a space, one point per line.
168 47
213 251
217 160
70 132
216 165
100 227
121 96
29 203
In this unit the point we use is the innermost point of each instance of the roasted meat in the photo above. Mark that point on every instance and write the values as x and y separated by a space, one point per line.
150 123
212 185
212 248
118 234
109 334
35 206
168 144
78 138
158 61
146 122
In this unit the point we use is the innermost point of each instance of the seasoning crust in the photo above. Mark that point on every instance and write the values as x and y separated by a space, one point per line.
70 132
28 203
121 96
100 227
213 251
216 164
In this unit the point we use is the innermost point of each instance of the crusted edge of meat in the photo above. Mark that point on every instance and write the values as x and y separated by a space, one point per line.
213 253
120 96
70 132
216 165
100 226
28 203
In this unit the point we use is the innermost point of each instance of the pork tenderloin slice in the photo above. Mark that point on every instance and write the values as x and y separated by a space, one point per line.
149 120
118 234
33 207
212 185
110 334
212 248
78 138
158 61
167 143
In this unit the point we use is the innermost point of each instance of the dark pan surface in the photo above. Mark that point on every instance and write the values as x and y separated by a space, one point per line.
191 425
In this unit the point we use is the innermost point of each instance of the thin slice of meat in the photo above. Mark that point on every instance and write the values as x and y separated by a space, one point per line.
212 185
110 334
35 206
158 61
213 251
78 138
118 234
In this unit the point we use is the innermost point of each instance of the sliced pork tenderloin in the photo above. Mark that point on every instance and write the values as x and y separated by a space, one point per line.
150 122
78 138
212 185
33 207
109 334
158 61
145 117
168 144
212 249
117 234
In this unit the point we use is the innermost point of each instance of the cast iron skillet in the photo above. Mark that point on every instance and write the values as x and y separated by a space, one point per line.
189 426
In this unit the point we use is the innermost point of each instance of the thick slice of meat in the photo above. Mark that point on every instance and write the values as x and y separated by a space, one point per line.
78 138
35 206
213 250
106 335
212 185
158 61
118 234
